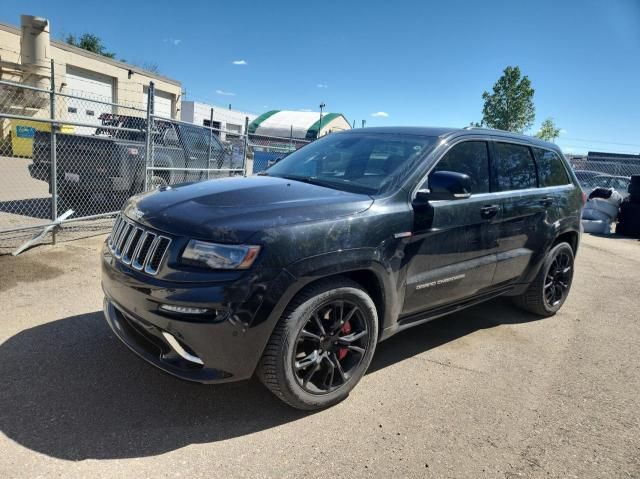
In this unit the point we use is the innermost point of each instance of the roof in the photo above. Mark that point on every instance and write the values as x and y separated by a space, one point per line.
302 124
73 49
442 132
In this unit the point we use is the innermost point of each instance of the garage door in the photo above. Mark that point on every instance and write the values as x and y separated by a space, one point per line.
161 103
89 85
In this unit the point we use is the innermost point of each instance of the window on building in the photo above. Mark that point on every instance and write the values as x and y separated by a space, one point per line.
514 167
216 125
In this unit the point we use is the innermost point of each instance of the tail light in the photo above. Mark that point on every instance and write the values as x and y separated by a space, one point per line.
584 198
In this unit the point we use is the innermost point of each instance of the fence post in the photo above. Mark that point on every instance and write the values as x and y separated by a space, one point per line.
149 142
246 145
210 144
53 155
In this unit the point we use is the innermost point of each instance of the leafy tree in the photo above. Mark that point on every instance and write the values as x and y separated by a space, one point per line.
510 106
548 130
89 42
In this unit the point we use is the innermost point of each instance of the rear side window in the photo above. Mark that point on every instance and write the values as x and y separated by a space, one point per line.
514 167
551 170
470 158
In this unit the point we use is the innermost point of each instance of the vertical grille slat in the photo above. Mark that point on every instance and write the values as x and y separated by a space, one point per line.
158 254
130 247
123 237
136 246
141 257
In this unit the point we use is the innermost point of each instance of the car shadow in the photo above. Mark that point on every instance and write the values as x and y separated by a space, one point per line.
72 391
33 207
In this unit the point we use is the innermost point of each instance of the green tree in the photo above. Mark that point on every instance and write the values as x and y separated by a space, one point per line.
548 130
510 106
89 42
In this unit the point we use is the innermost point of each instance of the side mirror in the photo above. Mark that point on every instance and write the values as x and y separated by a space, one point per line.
446 185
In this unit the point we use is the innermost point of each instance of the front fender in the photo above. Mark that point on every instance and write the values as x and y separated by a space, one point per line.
303 272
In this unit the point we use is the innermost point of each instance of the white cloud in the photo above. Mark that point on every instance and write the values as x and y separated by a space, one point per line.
239 62
225 93
563 131
173 41
380 114
177 41
322 85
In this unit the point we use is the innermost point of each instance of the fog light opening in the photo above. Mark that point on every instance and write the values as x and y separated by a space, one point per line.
177 347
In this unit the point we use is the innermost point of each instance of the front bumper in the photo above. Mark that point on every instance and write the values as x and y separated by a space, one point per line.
228 345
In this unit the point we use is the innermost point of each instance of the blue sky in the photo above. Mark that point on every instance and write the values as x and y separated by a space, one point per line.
418 62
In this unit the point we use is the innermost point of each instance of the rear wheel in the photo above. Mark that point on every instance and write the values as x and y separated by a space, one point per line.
322 345
549 290
158 181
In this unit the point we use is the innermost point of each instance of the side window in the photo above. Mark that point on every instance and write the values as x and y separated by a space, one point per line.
195 139
551 170
471 158
514 167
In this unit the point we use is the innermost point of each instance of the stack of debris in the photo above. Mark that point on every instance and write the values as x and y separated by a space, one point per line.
629 219
601 210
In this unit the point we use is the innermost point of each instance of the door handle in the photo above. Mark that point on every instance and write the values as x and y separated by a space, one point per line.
489 211
546 201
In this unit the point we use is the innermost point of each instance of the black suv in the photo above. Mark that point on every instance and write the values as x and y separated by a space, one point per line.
297 273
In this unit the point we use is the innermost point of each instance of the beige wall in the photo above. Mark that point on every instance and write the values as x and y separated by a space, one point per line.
126 90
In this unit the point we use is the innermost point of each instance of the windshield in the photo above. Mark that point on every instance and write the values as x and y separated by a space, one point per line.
371 163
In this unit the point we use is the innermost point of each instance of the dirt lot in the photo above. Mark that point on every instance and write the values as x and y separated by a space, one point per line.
488 392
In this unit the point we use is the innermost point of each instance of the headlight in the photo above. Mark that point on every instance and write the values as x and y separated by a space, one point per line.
219 256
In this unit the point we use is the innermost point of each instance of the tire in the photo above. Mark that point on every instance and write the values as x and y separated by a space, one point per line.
536 299
157 181
293 356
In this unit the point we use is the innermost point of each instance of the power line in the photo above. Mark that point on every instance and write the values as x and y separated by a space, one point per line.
598 141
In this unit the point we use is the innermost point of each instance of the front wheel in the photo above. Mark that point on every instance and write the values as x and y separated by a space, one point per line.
548 291
322 345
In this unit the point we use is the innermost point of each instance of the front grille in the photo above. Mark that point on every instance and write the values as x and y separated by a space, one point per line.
134 245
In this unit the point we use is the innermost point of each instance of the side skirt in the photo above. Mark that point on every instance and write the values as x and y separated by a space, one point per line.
405 322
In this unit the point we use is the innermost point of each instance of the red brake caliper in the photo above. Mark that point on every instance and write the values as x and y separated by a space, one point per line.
346 329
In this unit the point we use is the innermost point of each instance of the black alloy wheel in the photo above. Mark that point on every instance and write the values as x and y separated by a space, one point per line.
558 280
322 344
330 346
548 291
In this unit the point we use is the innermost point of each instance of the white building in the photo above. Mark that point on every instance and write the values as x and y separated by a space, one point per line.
223 117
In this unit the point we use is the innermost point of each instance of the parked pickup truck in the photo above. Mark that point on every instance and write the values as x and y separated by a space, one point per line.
96 173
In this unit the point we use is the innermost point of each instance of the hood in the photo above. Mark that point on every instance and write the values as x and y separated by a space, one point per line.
230 210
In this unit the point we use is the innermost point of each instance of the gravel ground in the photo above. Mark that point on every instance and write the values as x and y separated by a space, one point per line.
487 392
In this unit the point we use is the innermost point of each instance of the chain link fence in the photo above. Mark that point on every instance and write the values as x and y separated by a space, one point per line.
266 150
57 171
605 170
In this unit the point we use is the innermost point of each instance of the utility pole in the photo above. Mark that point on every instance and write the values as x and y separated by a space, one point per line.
322 105
364 122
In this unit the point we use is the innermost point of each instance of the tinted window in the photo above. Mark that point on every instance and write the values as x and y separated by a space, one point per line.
514 167
470 158
364 162
551 170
